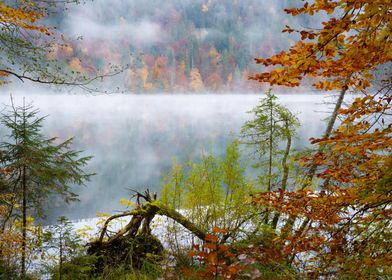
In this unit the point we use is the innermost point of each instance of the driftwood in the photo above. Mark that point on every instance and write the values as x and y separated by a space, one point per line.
134 243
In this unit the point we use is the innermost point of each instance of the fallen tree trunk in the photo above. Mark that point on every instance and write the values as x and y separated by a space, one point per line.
134 243
179 218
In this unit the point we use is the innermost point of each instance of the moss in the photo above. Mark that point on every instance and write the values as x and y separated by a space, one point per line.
79 268
145 248
125 251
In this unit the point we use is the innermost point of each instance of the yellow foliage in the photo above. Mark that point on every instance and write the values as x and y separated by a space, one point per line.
126 202
24 17
196 83
76 65
85 232
143 75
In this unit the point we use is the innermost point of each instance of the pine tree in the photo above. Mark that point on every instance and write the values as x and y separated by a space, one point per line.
38 166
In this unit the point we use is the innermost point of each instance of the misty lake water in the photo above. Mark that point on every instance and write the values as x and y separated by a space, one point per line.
135 138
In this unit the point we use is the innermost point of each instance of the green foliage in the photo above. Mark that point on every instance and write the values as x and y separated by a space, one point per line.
82 268
145 250
213 192
7 271
78 268
173 186
63 244
272 125
37 167
147 272
43 165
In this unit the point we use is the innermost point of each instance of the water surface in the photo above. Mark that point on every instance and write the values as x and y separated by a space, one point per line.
134 138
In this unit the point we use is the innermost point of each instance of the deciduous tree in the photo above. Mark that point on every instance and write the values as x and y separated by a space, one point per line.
26 44
196 82
344 226
353 41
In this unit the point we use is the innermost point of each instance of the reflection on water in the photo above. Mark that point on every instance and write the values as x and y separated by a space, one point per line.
134 138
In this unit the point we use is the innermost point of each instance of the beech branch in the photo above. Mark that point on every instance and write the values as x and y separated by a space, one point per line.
56 81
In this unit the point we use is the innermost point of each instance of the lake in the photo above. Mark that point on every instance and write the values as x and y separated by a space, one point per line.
135 138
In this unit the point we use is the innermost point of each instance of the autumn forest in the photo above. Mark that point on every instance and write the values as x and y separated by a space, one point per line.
204 139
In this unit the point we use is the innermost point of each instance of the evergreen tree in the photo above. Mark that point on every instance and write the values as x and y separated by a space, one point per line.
37 166
66 244
272 124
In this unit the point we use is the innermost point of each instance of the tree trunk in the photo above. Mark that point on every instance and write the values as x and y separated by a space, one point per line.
270 152
266 218
141 219
61 257
327 133
24 222
140 223
176 216
24 201
285 177
288 227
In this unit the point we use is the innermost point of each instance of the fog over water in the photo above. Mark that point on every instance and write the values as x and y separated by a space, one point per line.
134 138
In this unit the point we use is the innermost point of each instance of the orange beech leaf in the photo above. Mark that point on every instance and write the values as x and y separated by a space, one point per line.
348 47
211 238
219 230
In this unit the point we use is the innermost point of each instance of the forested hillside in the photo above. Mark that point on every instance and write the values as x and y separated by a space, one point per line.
174 46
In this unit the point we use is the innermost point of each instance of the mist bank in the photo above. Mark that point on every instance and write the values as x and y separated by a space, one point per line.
174 45
134 138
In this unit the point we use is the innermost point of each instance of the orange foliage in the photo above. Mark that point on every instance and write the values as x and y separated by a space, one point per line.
345 224
143 74
160 73
24 17
181 78
159 67
348 220
343 53
76 65
215 259
214 81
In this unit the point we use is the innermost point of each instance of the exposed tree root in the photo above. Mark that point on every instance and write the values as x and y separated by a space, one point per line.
134 243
